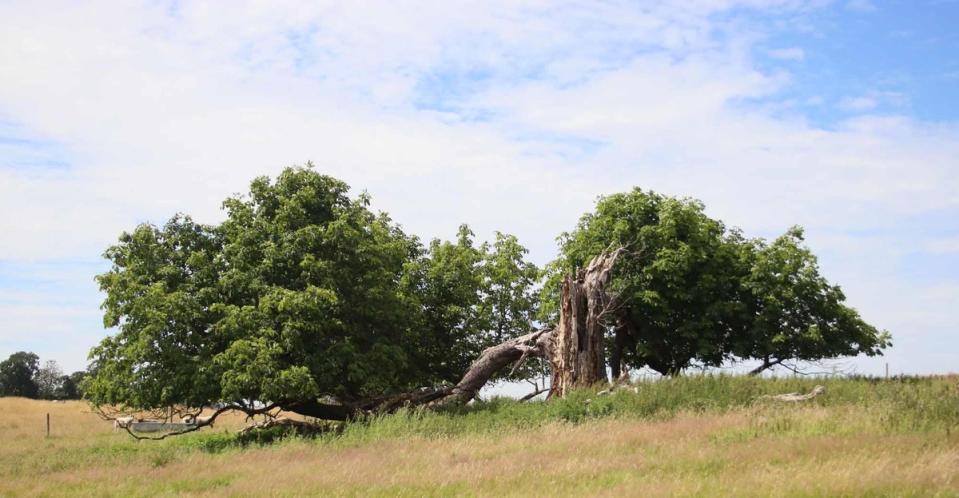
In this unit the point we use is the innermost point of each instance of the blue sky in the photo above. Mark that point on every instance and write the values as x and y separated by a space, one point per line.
841 116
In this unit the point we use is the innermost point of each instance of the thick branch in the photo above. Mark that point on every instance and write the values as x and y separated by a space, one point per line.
534 394
495 358
298 425
325 411
201 423
767 364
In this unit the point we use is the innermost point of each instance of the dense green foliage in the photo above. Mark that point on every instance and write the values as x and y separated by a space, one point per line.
472 297
17 375
690 291
302 293
21 375
795 313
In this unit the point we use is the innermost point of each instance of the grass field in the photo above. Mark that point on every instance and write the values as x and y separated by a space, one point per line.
700 436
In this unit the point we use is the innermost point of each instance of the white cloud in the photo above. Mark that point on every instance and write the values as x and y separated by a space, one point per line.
943 245
509 116
872 100
858 104
791 53
861 6
173 113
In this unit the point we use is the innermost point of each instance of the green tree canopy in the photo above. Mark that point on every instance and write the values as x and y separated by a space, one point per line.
305 298
472 297
17 375
688 290
301 294
68 388
797 314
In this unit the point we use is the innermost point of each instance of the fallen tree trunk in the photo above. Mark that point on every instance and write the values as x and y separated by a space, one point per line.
796 397
574 350
300 426
496 358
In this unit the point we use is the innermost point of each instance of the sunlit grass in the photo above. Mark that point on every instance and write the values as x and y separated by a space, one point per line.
690 436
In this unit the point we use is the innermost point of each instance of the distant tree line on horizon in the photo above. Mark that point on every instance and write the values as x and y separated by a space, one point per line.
22 375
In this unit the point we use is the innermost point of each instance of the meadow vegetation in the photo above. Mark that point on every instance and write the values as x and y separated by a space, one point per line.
692 435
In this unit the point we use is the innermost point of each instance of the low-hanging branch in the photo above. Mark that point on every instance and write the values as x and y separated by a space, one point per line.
205 422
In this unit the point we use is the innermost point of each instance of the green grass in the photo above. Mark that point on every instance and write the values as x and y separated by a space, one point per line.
898 405
696 435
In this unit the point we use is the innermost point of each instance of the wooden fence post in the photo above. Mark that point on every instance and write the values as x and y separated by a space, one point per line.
48 425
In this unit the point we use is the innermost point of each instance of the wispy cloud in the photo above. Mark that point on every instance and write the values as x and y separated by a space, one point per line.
509 116
943 245
791 53
858 104
872 100
861 5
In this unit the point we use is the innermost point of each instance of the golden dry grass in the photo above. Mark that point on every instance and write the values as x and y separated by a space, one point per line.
760 450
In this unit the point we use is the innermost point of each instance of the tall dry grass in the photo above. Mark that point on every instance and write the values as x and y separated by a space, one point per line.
692 436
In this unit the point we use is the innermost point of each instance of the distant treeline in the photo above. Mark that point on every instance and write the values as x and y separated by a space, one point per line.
22 375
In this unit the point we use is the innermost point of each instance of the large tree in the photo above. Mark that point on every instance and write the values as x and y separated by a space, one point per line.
17 375
687 290
306 300
796 314
677 291
69 386
49 380
303 298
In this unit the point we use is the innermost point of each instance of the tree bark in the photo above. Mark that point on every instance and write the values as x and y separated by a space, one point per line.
494 359
578 359
574 350
324 411
620 338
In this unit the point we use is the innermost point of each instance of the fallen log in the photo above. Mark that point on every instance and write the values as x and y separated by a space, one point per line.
796 397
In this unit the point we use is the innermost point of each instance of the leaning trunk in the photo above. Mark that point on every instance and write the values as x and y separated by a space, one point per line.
574 350
496 358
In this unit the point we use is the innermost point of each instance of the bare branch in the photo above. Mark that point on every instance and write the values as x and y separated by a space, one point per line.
534 394
207 421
